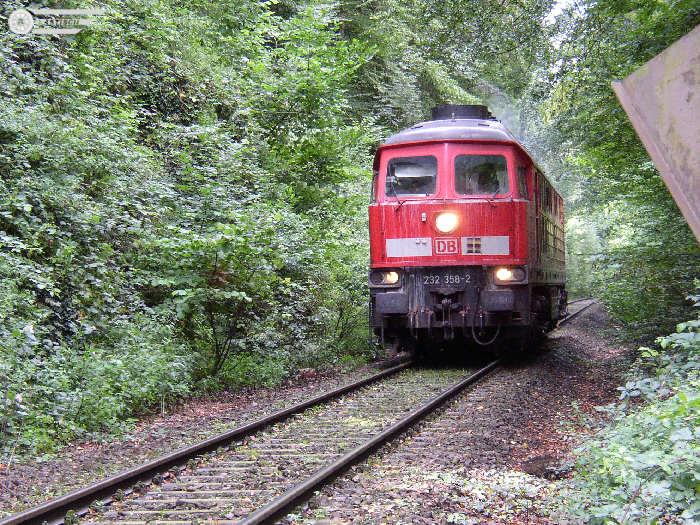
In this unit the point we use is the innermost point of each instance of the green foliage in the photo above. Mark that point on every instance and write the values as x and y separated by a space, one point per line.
182 201
636 269
52 393
218 283
647 464
582 244
642 254
254 370
452 51
176 188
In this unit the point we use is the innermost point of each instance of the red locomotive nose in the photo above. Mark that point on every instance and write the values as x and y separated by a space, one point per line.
470 227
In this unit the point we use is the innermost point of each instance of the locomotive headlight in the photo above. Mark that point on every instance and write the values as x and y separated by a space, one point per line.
504 274
509 275
390 278
384 278
446 221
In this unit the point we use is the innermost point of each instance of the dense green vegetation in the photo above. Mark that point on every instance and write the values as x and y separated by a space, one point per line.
612 186
183 188
180 186
646 466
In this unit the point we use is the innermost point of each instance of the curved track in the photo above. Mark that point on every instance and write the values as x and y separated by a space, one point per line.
584 304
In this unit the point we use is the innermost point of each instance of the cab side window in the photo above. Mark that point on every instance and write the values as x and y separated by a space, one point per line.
522 183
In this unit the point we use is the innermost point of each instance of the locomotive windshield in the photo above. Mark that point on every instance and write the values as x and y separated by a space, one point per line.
411 176
481 174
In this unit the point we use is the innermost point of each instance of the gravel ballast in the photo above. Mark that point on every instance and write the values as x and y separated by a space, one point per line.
496 453
492 455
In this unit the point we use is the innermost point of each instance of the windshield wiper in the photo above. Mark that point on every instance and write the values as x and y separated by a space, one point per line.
492 197
392 189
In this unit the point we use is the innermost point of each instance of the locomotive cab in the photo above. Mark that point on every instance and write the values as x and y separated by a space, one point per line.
463 242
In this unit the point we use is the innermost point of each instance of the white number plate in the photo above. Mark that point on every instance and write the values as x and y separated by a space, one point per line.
456 279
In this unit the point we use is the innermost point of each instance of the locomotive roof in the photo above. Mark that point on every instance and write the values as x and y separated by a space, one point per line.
456 129
480 129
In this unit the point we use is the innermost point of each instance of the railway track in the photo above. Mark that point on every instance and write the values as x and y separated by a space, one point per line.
580 309
255 473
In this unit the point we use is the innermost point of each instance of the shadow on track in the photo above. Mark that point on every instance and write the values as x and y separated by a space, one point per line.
467 354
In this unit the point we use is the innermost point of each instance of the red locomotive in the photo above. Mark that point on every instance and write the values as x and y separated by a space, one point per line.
466 236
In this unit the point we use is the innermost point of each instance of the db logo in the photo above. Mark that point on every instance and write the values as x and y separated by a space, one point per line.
446 245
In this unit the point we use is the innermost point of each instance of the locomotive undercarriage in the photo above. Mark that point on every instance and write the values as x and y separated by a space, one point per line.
461 303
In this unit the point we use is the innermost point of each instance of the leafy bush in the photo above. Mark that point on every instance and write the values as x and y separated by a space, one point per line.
646 466
628 243
182 188
52 393
252 370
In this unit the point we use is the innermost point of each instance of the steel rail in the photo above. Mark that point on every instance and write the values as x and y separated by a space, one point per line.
576 313
78 501
579 300
297 494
